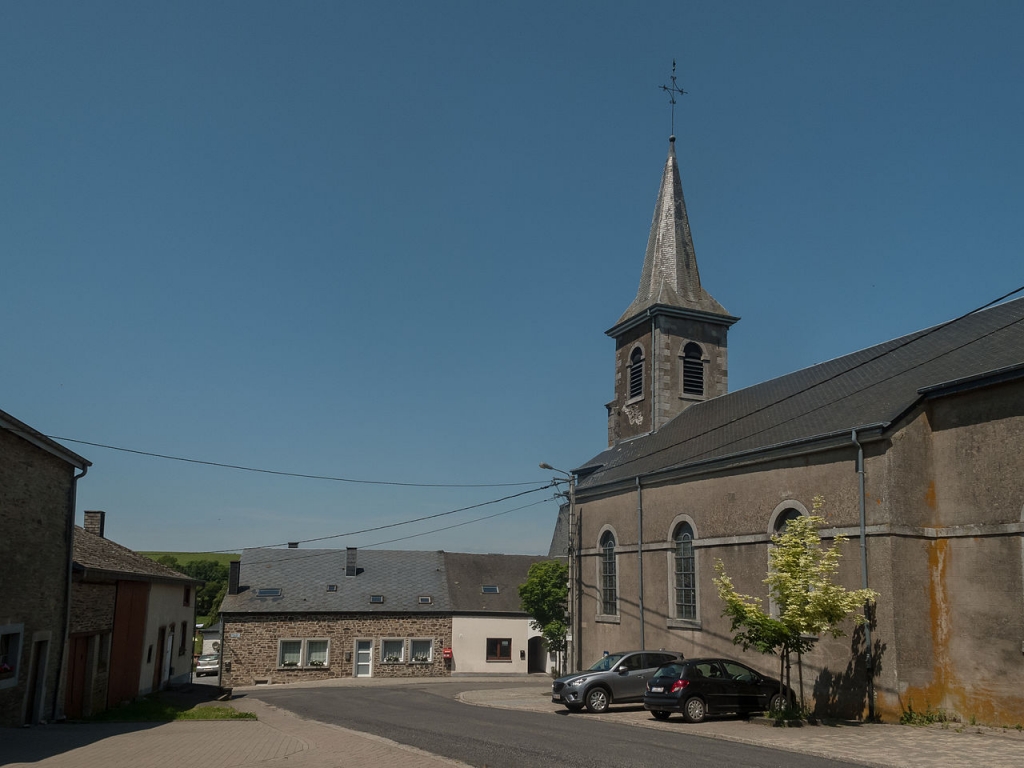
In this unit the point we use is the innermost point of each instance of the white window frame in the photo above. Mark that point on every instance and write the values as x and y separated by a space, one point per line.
675 621
384 658
303 662
430 651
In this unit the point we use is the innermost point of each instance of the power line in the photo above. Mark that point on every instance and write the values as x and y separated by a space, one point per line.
390 525
285 474
844 372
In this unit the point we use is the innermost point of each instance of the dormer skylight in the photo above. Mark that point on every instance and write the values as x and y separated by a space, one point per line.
489 589
426 599
269 592
376 599
332 587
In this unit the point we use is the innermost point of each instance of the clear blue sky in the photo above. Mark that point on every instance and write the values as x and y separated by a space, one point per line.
383 241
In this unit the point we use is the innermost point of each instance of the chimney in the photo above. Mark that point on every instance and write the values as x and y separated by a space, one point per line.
233 571
350 561
94 521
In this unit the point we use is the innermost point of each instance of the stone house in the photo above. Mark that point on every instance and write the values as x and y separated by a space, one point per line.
132 623
295 614
37 514
914 444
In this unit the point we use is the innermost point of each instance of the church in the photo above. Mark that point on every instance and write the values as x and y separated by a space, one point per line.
915 446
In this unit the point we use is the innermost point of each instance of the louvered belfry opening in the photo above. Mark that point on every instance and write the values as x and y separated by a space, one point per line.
693 370
636 373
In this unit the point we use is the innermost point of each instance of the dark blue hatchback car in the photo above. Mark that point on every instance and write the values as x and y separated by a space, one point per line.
699 687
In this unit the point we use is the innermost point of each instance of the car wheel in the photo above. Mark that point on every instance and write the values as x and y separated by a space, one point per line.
598 700
777 703
660 714
694 710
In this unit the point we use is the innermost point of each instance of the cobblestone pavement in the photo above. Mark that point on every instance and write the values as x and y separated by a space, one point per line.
279 738
886 746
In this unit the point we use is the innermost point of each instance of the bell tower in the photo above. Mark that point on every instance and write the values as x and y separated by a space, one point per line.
670 343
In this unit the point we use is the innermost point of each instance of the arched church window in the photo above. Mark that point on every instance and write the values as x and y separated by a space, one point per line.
686 573
782 521
636 373
609 578
693 370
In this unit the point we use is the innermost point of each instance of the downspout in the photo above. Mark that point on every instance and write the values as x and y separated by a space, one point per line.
869 662
58 710
640 555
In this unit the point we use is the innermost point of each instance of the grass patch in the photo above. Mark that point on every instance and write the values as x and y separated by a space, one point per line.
158 709
928 717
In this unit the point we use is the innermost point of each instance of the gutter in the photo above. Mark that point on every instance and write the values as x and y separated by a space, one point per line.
868 660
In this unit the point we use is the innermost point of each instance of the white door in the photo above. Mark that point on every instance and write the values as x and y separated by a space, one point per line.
364 658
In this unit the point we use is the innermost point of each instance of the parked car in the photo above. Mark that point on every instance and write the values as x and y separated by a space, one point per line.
616 678
699 687
208 664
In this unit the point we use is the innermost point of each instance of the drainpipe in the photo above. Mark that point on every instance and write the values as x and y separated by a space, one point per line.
58 709
640 555
869 662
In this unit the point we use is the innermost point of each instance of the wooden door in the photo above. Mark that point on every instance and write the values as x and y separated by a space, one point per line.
78 662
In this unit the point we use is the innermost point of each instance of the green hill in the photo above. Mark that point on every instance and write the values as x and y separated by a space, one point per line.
184 557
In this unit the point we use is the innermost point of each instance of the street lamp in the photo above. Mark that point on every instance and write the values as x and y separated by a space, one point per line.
571 646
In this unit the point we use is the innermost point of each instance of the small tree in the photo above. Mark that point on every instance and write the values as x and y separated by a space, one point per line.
544 595
800 582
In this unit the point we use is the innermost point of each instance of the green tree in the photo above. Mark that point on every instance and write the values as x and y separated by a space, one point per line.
808 602
544 595
170 561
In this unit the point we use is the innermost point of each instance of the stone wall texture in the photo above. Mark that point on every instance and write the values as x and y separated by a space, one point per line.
250 645
35 495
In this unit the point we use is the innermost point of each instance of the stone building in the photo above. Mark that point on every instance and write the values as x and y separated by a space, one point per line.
37 515
132 623
915 445
298 614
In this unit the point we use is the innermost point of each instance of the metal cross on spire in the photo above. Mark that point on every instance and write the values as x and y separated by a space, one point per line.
672 90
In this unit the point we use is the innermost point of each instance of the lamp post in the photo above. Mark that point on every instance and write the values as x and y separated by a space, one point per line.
569 655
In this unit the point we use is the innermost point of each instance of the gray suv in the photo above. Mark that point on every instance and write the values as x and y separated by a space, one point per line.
616 678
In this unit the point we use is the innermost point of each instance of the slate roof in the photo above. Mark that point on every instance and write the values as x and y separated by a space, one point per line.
874 386
468 573
100 556
452 580
304 575
670 277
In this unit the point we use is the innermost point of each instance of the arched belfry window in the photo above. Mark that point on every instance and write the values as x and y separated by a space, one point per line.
693 370
686 573
636 373
609 579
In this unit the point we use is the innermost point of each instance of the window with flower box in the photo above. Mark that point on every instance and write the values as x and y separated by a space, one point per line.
392 651
421 651
303 654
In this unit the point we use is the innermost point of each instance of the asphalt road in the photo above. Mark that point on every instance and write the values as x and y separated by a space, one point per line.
429 717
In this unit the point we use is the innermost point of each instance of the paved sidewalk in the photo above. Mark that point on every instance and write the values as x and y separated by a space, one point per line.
277 739
883 746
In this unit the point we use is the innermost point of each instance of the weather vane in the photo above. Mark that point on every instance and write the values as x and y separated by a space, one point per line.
672 90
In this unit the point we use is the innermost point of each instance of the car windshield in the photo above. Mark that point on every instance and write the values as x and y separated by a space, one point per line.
605 663
208 657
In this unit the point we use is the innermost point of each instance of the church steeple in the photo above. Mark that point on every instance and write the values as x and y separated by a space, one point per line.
671 341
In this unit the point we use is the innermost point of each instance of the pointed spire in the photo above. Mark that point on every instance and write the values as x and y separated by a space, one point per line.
670 277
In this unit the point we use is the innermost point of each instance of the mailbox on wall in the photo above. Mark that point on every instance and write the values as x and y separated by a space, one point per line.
446 653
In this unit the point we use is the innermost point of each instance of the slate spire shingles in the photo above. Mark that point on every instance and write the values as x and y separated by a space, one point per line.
670 276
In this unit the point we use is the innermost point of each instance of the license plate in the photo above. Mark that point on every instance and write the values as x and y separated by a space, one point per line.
657 689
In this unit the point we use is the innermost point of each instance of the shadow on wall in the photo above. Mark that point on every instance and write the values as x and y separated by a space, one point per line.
845 695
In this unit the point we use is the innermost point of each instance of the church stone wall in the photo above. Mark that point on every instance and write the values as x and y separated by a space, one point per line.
944 503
